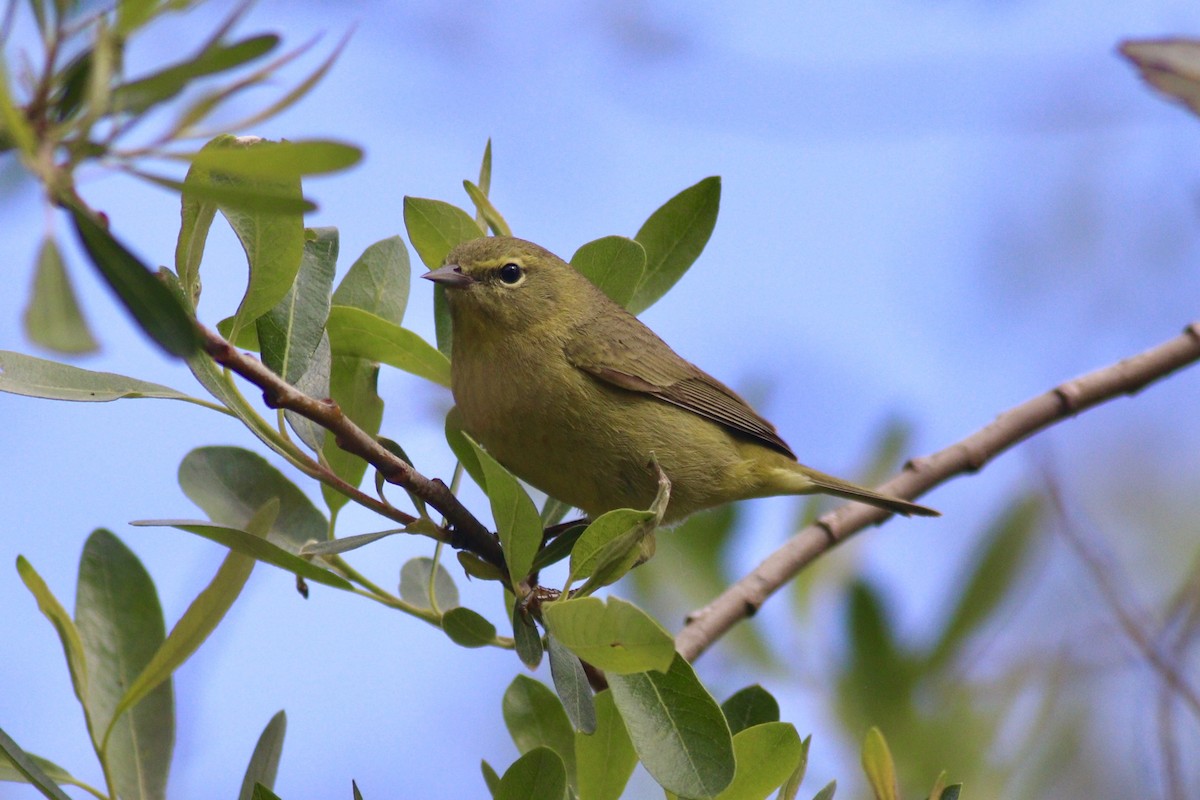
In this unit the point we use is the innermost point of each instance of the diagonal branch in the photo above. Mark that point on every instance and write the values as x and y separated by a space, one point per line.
1127 376
467 533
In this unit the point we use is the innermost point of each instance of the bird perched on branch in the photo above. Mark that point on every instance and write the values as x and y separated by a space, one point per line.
576 396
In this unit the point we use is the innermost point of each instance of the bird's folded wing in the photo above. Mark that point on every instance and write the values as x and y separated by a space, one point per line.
642 362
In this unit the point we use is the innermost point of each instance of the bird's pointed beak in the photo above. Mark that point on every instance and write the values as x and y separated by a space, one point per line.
451 276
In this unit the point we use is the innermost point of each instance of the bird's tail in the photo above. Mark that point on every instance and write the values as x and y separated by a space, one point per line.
819 482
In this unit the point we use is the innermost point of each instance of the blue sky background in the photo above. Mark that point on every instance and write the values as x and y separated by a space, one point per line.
929 210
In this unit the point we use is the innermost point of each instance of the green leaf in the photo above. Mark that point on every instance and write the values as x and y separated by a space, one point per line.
435 227
674 236
14 126
133 14
604 759
677 729
200 619
878 682
231 484
462 448
827 792
560 546
615 264
791 787
624 524
149 302
537 775
264 763
38 377
571 684
766 755
29 768
52 318
378 282
314 383
290 332
485 179
354 332
121 626
490 777
68 634
251 545
422 577
951 792
516 517
345 544
262 793
486 210
144 93
276 161
751 706
617 637
1003 553
354 386
476 567
526 638
468 628
535 718
877 763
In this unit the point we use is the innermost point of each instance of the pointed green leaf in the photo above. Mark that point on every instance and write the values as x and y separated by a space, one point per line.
487 211
673 237
290 332
264 763
880 768
560 546
462 448
263 793
149 302
353 385
476 567
354 332
604 759
526 638
231 484
378 282
422 580
133 14
535 718
139 95
1003 553
485 179
766 755
878 682
468 628
826 793
345 544
251 545
68 634
571 684
14 126
282 161
605 530
121 626
537 775
751 706
791 787
200 620
617 637
516 517
435 227
38 377
53 318
28 768
615 264
490 777
951 792
677 729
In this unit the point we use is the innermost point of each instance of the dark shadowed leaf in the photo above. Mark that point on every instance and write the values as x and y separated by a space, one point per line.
535 718
17 765
748 707
141 94
468 628
526 637
571 684
537 775
156 309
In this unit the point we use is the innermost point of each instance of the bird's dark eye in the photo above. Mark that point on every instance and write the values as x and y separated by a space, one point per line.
511 273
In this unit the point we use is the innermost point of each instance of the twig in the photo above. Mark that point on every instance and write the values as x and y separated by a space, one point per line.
466 532
1127 376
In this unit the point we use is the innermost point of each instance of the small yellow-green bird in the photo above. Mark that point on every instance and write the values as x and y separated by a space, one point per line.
574 395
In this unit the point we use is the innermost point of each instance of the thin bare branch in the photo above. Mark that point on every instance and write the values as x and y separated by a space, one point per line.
1127 376
466 532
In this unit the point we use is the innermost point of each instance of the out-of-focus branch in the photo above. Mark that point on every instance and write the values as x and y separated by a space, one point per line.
466 532
1127 376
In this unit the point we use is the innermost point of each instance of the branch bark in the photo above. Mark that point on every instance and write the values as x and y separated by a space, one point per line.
466 532
1128 376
